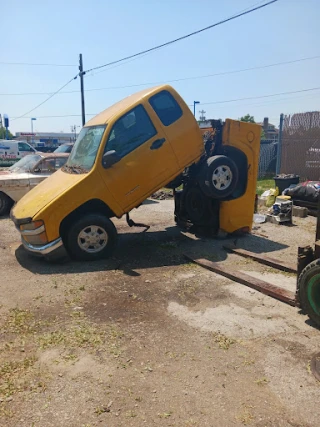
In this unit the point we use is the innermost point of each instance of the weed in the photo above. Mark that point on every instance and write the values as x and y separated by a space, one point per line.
131 414
262 381
20 321
165 414
245 417
11 373
223 341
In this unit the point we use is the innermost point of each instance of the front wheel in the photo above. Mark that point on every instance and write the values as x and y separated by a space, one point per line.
91 237
309 290
5 204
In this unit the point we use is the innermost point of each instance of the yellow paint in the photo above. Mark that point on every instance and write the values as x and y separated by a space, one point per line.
137 175
238 213
127 183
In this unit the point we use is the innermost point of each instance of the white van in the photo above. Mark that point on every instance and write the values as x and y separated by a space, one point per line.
14 150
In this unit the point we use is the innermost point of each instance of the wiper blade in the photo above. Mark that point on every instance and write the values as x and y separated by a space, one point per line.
74 168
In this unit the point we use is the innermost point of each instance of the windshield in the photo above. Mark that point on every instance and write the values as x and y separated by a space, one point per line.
26 163
85 150
64 149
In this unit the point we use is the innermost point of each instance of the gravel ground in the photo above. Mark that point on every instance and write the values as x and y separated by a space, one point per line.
147 338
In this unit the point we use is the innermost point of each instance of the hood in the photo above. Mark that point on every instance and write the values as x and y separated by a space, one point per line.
6 175
44 193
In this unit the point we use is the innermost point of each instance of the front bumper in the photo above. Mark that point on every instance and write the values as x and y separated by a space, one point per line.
49 249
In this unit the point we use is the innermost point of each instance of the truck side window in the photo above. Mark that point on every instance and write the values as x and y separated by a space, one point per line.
24 147
129 132
166 107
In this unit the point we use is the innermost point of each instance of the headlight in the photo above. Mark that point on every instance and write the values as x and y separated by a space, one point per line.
34 233
31 225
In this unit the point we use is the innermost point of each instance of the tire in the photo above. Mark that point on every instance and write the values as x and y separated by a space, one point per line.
309 290
5 204
82 245
196 205
219 177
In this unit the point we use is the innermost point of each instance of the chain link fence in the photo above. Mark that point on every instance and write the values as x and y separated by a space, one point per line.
300 153
268 158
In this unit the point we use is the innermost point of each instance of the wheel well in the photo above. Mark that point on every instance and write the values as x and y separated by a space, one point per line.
6 195
241 161
91 206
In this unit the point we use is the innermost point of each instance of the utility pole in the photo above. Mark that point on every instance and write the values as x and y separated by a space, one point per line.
194 107
202 117
74 129
81 74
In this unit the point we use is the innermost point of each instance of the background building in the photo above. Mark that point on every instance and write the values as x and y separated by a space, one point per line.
46 139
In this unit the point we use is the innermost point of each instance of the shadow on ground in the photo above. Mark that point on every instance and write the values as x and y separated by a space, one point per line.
152 249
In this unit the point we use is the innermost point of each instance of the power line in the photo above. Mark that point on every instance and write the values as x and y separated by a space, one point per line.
47 99
222 73
202 103
204 76
182 37
148 53
31 64
258 97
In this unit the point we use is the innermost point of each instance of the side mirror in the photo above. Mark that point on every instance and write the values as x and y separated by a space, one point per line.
109 159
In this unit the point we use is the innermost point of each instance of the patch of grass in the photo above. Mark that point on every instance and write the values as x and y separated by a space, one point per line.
223 342
131 414
5 412
77 336
165 414
264 184
262 381
245 417
276 271
11 374
20 321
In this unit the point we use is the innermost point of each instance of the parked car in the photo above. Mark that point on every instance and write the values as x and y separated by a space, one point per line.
25 174
14 150
64 148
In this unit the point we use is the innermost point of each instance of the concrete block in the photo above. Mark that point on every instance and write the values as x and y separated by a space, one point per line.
299 211
275 219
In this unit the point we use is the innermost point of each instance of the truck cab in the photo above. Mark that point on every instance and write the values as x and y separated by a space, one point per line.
135 147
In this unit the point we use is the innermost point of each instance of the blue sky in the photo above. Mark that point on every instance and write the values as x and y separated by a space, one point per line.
103 31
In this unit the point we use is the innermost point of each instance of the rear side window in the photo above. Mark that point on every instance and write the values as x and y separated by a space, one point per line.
166 107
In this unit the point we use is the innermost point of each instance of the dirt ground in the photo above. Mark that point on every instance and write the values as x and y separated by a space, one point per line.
148 339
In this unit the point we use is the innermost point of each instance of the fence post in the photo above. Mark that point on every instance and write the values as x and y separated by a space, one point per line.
278 167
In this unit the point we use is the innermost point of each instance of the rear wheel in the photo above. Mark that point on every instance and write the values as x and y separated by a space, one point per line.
175 183
5 204
219 177
91 237
309 290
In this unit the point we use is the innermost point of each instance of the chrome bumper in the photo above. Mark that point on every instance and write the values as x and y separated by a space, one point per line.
43 249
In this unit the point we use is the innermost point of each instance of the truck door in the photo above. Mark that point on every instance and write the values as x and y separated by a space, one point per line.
179 125
146 159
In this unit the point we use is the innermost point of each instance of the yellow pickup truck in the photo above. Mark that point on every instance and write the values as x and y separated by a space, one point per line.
123 155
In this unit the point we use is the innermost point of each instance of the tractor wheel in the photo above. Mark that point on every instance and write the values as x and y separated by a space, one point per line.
309 290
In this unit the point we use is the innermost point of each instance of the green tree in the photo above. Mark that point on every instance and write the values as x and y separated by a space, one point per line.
247 118
3 133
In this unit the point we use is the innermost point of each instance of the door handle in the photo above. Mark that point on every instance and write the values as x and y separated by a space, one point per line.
157 144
